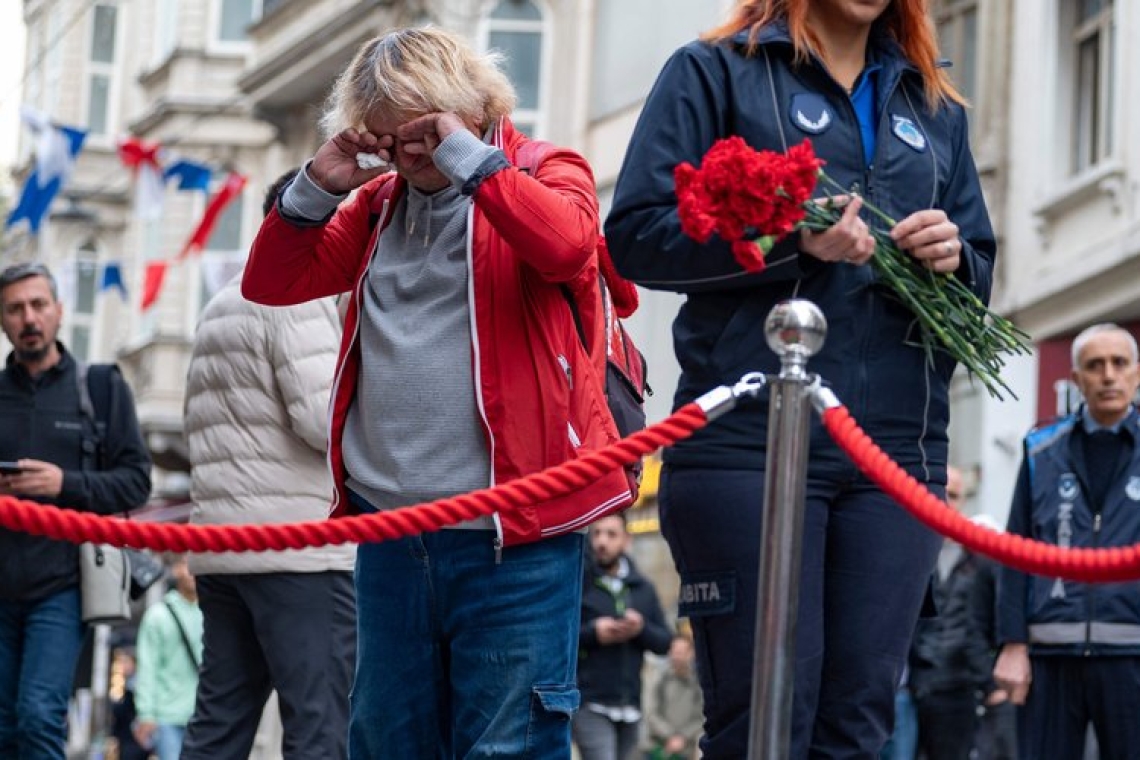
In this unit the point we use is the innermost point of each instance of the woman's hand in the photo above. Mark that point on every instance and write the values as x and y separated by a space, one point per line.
849 239
334 167
930 237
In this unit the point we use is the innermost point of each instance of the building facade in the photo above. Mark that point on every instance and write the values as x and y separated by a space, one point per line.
1069 214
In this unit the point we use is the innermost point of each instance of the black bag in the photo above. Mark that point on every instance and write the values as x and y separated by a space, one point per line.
626 385
626 370
145 571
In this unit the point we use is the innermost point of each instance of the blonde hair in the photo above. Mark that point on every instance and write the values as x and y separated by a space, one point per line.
418 70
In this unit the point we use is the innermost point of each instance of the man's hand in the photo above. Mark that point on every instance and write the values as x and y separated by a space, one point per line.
611 630
1013 672
674 745
35 479
634 621
996 697
334 167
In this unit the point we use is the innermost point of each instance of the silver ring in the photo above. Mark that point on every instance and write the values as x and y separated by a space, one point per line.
949 247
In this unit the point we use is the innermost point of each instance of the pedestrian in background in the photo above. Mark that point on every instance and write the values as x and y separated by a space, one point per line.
997 725
59 456
862 80
169 651
673 719
621 621
1070 652
951 661
256 415
461 368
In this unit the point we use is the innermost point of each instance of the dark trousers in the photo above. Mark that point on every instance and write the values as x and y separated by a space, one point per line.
293 632
866 566
997 732
1069 693
947 725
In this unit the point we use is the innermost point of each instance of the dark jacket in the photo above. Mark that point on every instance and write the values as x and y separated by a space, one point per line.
707 92
611 674
1051 503
951 652
41 419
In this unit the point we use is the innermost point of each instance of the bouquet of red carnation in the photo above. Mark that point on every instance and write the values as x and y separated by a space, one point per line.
739 191
752 199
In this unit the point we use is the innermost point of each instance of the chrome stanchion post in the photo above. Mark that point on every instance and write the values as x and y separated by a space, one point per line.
795 330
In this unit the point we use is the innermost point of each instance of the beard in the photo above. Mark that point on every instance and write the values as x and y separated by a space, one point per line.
607 564
32 355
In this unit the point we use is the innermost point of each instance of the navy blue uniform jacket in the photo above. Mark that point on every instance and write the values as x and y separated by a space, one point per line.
1051 503
922 160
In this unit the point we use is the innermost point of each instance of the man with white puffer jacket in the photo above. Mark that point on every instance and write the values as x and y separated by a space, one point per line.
256 406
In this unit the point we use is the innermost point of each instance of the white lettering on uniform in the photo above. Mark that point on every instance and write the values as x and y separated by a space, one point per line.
707 591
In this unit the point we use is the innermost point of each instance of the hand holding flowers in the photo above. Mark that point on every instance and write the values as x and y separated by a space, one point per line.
752 199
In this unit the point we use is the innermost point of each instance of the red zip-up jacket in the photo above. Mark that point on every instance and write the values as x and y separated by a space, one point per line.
539 392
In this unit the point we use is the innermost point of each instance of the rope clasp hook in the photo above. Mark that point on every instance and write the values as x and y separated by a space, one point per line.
723 399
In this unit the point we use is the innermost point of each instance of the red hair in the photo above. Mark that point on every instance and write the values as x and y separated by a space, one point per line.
905 21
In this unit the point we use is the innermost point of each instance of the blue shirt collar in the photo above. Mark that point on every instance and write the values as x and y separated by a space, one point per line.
1089 425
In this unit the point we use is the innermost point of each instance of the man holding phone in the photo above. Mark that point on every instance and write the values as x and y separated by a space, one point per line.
53 456
621 619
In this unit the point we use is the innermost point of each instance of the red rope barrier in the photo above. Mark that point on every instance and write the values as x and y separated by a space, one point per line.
80 527
1121 563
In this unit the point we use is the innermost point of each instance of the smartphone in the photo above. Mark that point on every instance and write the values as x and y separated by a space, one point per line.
10 468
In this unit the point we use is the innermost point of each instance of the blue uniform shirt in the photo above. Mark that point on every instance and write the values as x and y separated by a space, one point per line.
863 99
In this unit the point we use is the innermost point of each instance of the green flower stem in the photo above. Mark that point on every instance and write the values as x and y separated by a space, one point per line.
950 317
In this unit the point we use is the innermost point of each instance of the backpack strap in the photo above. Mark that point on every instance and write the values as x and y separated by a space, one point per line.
94 417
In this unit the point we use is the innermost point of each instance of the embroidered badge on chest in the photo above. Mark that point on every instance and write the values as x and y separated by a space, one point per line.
811 113
907 131
1067 486
1132 490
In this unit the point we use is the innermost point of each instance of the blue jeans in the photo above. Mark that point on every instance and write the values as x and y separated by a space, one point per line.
903 744
168 741
40 642
462 657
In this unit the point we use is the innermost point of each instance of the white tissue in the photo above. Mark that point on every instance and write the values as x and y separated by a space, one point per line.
369 161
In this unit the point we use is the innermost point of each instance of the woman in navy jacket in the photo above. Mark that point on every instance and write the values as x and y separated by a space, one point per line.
860 78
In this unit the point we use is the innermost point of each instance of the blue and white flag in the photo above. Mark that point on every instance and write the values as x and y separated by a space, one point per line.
56 150
190 175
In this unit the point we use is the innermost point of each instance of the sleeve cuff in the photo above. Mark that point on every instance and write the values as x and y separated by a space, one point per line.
304 199
466 160
71 488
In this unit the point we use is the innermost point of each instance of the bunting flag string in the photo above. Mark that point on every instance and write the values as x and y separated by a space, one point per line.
56 150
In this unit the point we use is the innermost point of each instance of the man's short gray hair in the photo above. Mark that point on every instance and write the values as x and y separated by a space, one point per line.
23 271
1085 335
